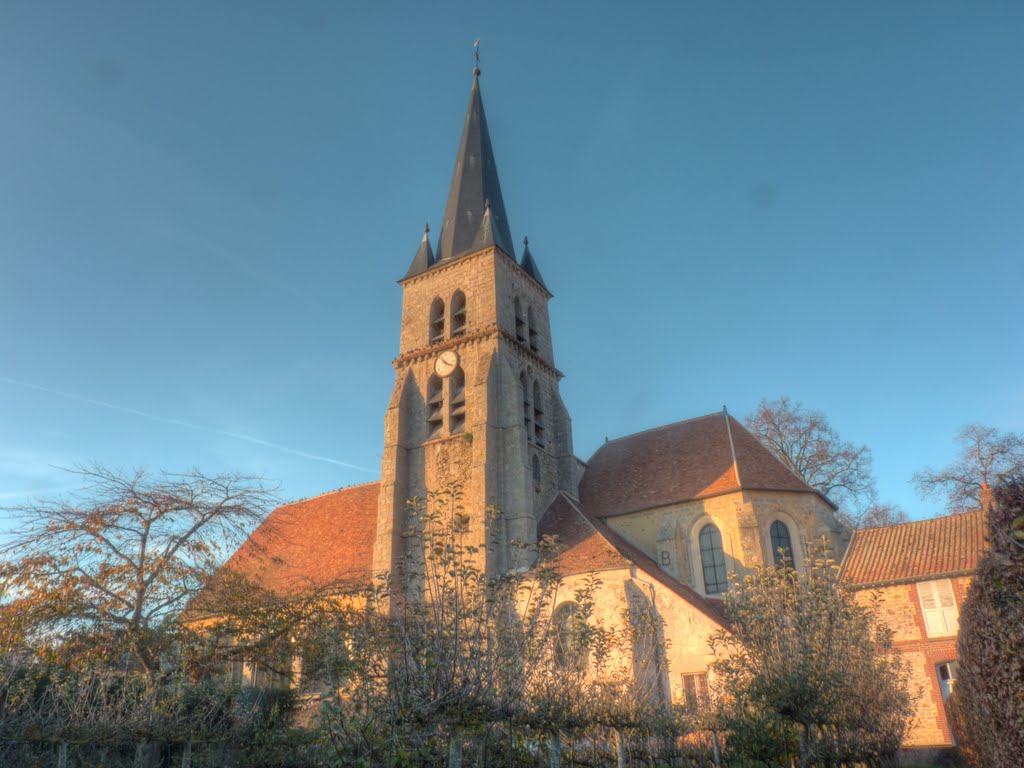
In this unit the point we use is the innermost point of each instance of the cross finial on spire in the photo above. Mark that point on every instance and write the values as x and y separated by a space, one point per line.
476 56
526 240
426 228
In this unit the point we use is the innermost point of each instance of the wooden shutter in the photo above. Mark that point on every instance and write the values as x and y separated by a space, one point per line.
947 604
939 607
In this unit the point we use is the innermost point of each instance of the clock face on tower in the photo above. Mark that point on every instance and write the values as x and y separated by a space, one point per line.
446 362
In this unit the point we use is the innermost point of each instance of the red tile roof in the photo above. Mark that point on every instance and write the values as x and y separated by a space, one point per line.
688 460
313 543
925 549
591 545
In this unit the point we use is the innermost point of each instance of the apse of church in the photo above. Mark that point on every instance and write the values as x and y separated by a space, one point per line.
476 402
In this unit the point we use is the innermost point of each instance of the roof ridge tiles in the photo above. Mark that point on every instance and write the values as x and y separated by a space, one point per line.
328 493
659 427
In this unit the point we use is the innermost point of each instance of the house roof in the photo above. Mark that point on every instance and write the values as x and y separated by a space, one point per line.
695 459
924 549
314 543
591 545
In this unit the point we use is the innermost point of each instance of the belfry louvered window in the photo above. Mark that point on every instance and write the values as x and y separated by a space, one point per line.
538 416
435 406
458 314
437 321
782 544
520 321
457 395
527 406
712 560
532 323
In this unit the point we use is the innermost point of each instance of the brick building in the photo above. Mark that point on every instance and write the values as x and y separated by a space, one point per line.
921 572
663 514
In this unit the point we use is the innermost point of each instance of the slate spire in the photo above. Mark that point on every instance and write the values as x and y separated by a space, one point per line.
529 265
474 189
424 258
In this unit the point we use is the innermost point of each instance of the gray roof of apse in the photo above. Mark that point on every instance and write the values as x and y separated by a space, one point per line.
474 186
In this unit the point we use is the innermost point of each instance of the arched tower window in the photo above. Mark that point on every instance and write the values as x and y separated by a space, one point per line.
458 314
569 652
782 544
527 406
437 321
435 406
532 323
457 395
538 415
520 321
712 560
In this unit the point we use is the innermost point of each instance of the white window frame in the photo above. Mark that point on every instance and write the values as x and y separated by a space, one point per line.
939 608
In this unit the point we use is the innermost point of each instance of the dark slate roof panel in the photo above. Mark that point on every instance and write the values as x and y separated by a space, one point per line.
474 186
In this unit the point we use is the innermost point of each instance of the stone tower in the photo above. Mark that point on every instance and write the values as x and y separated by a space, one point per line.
476 399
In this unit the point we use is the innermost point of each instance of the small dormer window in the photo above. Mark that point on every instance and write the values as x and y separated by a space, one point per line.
538 415
532 326
458 314
435 406
457 394
520 321
437 321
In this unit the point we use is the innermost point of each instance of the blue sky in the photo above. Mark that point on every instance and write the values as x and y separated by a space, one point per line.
204 209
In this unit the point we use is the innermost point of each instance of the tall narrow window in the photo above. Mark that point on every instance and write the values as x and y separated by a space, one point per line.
520 321
437 321
435 406
538 415
527 406
458 314
712 560
782 545
457 393
568 623
531 321
535 465
938 605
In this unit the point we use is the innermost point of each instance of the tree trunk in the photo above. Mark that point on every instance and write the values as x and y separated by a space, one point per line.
716 749
62 755
186 755
455 749
555 750
620 748
140 755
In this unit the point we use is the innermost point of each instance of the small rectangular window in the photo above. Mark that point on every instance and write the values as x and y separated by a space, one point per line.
695 689
949 673
938 605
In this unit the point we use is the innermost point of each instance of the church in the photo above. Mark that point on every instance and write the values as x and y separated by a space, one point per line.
665 513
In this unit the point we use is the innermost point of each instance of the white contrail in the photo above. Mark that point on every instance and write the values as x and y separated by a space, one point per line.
182 423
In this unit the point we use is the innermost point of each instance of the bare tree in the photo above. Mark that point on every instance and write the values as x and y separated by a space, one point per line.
986 456
806 443
103 574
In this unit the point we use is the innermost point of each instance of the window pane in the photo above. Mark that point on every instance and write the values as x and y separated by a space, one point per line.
782 547
712 560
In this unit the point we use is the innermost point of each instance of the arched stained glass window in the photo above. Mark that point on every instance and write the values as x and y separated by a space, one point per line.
712 560
782 545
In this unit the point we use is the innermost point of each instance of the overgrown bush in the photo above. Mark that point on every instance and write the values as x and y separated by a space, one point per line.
989 696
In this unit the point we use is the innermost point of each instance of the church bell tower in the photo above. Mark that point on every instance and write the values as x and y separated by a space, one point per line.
476 402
